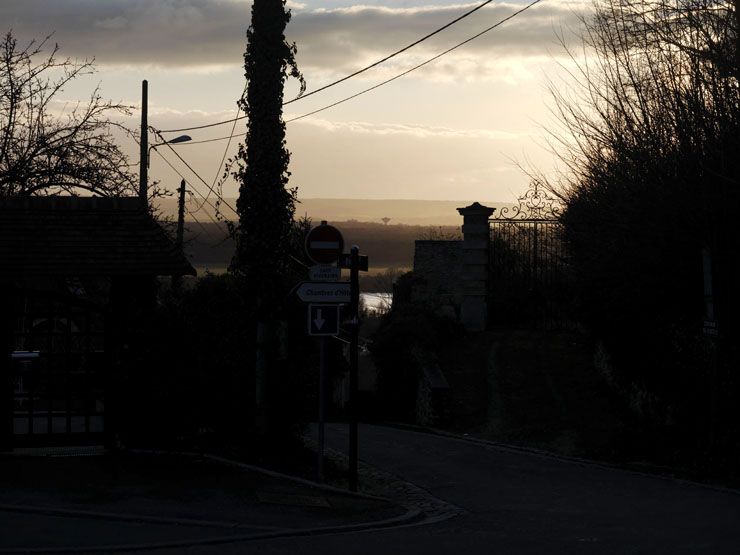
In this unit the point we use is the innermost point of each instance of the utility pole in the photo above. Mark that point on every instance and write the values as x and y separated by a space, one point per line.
177 280
322 407
737 38
144 143
180 216
354 300
711 333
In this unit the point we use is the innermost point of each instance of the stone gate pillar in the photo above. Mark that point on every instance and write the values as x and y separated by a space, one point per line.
476 244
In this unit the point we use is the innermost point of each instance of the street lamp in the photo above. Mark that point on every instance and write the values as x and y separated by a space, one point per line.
144 148
180 139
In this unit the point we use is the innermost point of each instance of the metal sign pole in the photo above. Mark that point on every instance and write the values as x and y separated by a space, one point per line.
353 364
322 405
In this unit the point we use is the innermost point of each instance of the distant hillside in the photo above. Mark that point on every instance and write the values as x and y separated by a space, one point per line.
409 212
386 245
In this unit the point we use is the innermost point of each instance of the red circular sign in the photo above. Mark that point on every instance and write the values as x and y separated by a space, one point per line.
324 244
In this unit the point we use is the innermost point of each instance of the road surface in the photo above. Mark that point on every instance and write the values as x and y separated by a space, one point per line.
518 502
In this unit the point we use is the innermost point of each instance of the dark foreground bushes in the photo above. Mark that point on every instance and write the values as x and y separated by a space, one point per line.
655 179
410 333
191 384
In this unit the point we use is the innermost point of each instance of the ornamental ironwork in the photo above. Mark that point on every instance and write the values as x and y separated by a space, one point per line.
534 205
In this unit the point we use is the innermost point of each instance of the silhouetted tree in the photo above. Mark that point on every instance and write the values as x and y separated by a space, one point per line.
652 144
265 205
385 220
49 145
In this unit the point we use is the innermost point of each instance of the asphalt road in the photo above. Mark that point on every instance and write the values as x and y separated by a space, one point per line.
518 502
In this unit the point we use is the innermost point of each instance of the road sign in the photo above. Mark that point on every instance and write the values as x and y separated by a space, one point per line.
323 319
324 272
324 244
345 261
324 292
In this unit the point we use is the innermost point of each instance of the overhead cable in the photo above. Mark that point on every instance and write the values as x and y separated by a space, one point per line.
393 55
351 75
210 188
398 76
226 152
418 66
174 169
195 219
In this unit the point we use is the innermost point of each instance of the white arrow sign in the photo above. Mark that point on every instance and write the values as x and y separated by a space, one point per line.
324 292
319 321
323 319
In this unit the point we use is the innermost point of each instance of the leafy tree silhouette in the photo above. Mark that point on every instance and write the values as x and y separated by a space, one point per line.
265 205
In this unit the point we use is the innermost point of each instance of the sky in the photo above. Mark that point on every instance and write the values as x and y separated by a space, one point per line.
460 128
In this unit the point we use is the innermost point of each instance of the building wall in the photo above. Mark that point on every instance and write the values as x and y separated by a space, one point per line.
439 264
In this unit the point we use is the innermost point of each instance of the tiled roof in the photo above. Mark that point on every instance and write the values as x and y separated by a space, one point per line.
84 236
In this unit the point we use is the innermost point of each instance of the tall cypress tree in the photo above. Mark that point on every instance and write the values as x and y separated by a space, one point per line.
266 204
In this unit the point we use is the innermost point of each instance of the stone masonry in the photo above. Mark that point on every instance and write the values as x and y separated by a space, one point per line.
439 264
455 273
476 244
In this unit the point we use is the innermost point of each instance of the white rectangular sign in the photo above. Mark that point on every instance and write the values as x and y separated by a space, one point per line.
324 292
322 272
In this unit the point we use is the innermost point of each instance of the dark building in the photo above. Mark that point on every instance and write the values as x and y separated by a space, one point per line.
77 281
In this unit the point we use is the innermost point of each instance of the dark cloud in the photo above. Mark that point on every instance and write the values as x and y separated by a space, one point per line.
205 32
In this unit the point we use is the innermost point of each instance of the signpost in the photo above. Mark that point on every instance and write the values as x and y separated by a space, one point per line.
324 244
323 319
325 247
324 272
354 310
324 292
345 261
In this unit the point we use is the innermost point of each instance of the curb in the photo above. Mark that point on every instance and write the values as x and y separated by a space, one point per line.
296 479
126 517
554 456
266 472
409 517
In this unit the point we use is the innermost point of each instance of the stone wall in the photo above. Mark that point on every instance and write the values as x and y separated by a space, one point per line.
439 264
455 273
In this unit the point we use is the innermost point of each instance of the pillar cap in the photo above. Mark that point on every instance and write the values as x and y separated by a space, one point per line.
476 209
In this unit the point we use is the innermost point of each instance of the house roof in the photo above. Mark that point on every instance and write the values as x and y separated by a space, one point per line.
84 236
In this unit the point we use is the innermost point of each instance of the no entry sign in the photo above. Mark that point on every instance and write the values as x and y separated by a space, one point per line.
324 244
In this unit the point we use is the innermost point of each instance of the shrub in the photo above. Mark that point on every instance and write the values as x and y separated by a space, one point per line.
410 326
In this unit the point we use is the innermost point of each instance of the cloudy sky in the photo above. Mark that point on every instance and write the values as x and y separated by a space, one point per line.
456 129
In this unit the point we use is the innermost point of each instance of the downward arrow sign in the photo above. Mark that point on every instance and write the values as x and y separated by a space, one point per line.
319 321
323 319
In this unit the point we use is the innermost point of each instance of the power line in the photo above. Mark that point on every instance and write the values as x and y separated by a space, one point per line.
205 201
394 54
218 224
192 212
188 182
430 60
226 151
351 75
212 140
210 188
195 219
398 76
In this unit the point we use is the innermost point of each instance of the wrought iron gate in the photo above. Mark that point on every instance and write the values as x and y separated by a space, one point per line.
58 366
529 282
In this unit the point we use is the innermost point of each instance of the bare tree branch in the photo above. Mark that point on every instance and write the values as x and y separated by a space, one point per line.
45 149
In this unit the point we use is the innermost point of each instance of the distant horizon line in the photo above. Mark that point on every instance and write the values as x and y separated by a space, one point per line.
399 199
